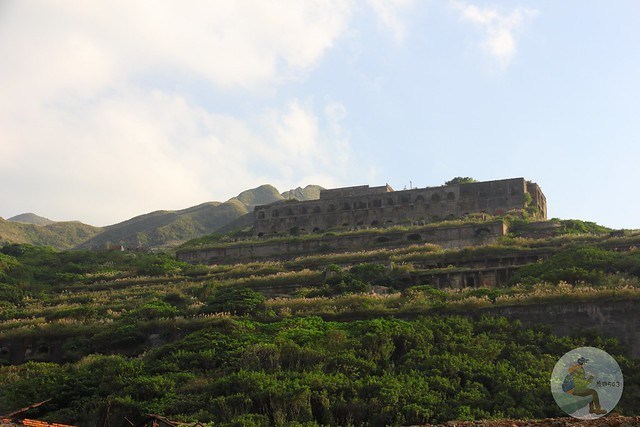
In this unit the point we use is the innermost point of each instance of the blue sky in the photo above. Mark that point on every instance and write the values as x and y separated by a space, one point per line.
110 111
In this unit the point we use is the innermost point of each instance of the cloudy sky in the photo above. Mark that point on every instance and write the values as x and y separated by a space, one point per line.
113 109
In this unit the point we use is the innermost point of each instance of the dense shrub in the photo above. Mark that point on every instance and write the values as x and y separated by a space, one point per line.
234 299
311 372
582 264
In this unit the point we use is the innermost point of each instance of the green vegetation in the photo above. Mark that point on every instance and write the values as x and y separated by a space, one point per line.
372 372
362 338
460 180
582 264
217 240
62 235
522 226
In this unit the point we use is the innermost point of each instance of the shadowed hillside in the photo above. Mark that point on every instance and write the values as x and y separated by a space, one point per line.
363 338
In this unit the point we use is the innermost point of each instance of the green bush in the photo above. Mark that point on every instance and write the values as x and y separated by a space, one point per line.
582 264
234 299
153 310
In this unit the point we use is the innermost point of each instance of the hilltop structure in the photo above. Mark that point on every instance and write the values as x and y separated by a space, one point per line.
365 206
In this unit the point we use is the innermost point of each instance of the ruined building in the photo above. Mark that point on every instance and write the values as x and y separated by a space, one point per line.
365 206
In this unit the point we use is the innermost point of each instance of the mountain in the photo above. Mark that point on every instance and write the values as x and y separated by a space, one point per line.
268 195
60 235
31 218
310 192
168 228
262 195
157 229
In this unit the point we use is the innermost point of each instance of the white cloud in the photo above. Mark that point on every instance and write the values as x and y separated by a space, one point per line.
239 43
137 151
499 31
389 14
82 138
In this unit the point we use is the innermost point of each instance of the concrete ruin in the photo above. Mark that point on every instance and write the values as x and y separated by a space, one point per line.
446 235
364 206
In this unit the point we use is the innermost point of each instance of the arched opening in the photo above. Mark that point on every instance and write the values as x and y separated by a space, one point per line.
377 203
260 234
435 198
261 215
375 223
316 229
451 196
382 239
303 210
470 281
419 199
481 232
317 209
289 211
362 205
275 213
414 237
332 208
404 200
346 207
390 201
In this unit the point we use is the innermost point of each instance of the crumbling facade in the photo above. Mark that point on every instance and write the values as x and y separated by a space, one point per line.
365 206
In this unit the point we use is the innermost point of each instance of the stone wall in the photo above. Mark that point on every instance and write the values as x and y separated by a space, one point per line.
451 236
617 319
365 206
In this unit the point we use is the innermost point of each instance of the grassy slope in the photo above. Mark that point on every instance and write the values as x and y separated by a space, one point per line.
164 228
115 306
31 218
60 235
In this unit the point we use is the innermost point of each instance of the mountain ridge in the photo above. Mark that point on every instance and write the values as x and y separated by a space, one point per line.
153 230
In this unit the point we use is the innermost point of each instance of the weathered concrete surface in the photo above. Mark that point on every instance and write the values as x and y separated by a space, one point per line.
617 319
365 206
452 236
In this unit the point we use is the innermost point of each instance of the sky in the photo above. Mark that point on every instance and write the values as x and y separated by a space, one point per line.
109 110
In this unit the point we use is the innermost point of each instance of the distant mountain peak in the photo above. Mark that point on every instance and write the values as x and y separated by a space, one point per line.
31 218
310 192
262 195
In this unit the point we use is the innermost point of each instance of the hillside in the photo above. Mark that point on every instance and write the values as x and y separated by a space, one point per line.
373 337
167 228
310 192
158 229
60 235
31 218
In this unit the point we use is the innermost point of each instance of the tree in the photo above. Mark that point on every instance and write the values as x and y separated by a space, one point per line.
236 300
460 180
